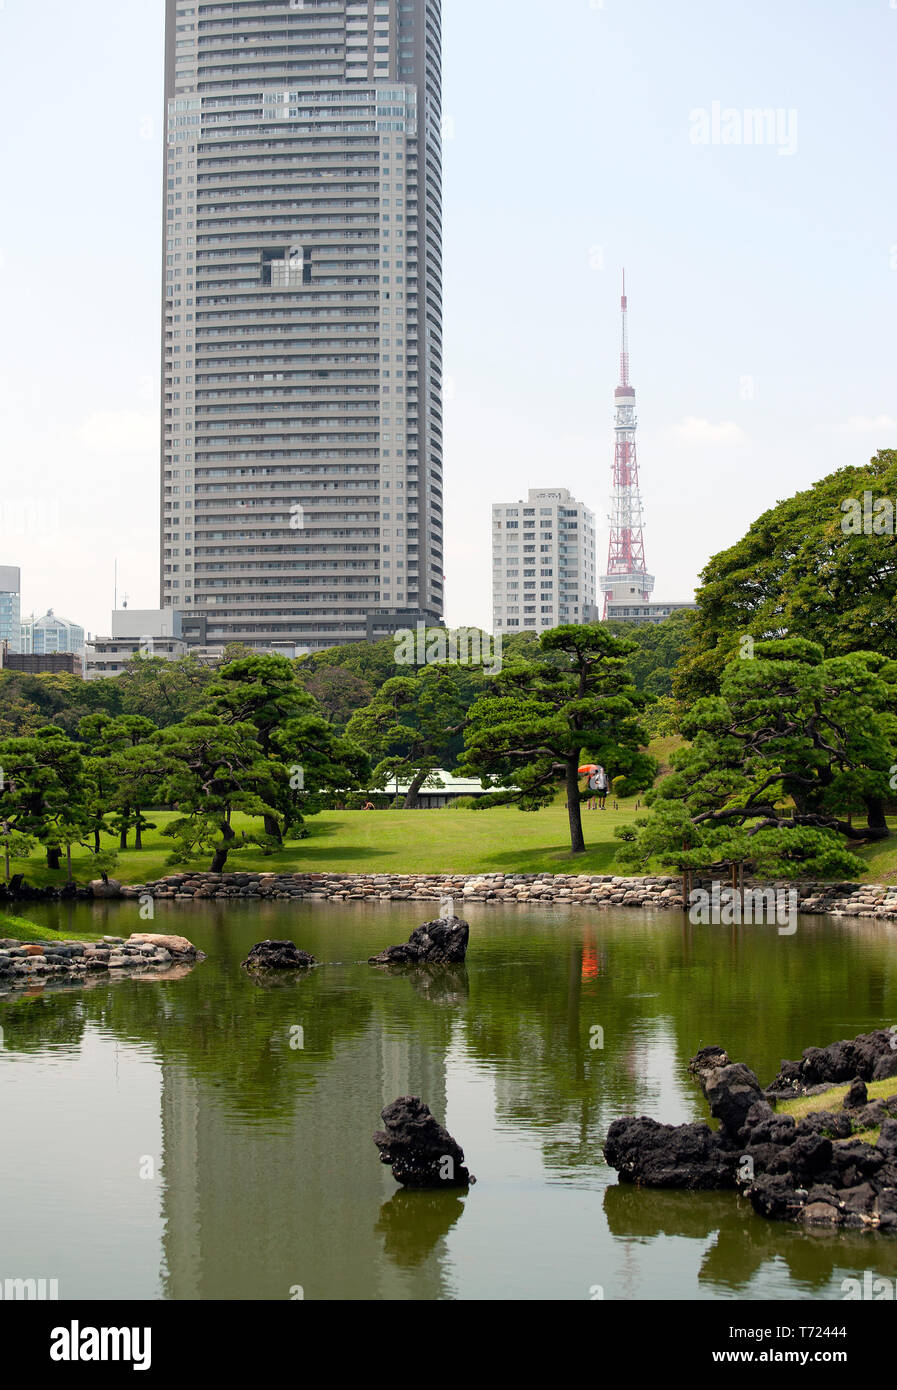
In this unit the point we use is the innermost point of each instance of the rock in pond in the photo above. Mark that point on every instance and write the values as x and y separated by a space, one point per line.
441 942
105 888
179 946
419 1150
693 1157
731 1092
278 955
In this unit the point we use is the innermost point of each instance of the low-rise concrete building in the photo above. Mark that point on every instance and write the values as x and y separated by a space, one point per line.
151 632
440 789
32 664
636 612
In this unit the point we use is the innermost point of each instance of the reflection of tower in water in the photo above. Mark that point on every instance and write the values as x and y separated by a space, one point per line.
594 962
255 1207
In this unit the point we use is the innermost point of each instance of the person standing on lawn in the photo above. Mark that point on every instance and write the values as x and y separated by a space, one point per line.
599 782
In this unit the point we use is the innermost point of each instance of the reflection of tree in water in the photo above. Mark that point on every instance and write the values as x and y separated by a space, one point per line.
438 984
223 1030
538 1016
647 980
524 1006
765 997
744 1243
413 1223
238 1036
420 1002
37 1022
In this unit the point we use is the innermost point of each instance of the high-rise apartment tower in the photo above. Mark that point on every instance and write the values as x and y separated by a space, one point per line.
302 319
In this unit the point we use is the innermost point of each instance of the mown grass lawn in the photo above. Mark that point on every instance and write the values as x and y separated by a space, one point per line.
499 840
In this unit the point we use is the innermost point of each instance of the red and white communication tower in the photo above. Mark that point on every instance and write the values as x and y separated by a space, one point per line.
627 580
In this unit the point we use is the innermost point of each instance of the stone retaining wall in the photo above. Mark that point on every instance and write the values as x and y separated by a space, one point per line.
598 890
593 890
25 964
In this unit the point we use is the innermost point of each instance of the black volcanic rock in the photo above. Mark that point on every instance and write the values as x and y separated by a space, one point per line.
807 1159
682 1156
831 1124
871 1056
441 942
776 1198
731 1093
278 955
708 1059
887 1139
419 1150
885 1067
817 1171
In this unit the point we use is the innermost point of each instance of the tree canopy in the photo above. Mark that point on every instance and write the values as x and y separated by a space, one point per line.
803 570
414 723
657 649
778 763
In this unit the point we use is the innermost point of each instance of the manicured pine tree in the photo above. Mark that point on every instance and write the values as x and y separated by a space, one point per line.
568 698
776 763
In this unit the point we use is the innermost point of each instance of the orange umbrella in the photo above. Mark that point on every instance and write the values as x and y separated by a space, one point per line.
587 769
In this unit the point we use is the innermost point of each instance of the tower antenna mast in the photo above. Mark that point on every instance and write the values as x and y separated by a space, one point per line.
627 580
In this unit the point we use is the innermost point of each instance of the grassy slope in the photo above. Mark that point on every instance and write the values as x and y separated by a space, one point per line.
664 748
881 859
20 929
833 1101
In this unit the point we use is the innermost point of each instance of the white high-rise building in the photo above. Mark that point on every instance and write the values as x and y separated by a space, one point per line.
543 562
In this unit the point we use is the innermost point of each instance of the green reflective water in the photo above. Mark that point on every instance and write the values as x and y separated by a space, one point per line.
165 1140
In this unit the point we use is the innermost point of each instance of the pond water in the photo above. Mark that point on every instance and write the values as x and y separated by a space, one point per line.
168 1140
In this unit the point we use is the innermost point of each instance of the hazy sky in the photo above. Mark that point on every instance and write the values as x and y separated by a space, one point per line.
580 137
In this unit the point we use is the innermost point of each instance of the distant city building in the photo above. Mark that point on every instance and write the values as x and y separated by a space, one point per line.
439 790
11 606
214 655
195 632
381 626
157 632
42 636
146 622
302 322
150 631
69 663
543 562
638 612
